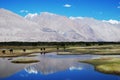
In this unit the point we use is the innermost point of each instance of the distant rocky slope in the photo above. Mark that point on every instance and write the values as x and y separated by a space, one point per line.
52 27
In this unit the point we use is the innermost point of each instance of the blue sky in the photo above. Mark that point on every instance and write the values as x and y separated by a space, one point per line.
98 9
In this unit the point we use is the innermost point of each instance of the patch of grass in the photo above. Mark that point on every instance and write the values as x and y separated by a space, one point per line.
94 49
113 68
106 65
67 53
14 54
97 49
19 52
31 55
25 60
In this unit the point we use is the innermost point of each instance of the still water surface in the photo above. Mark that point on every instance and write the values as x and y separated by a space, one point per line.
53 67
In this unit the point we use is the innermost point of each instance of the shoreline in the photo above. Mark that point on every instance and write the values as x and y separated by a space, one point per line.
108 65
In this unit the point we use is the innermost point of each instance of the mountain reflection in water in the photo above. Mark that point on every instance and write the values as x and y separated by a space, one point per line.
53 67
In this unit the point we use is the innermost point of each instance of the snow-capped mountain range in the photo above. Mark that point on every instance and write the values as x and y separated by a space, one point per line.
52 27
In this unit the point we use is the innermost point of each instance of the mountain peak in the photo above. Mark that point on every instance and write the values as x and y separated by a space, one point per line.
74 18
8 14
47 13
52 27
31 15
2 10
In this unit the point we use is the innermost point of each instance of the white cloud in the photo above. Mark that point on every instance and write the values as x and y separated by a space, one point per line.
118 7
30 15
112 21
24 11
31 70
67 5
75 68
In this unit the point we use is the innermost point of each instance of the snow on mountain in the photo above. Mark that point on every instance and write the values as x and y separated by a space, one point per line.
15 28
52 27
79 28
112 21
101 31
